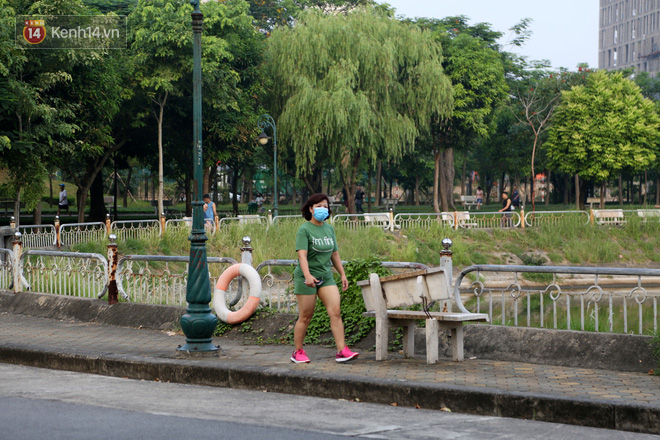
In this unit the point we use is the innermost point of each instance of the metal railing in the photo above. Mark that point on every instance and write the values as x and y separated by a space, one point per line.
64 273
136 229
424 220
74 233
361 221
38 236
542 218
597 299
161 279
488 220
6 268
277 289
243 220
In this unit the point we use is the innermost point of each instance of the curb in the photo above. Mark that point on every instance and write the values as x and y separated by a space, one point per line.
469 400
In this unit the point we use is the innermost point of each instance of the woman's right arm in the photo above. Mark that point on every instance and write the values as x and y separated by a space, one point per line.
304 266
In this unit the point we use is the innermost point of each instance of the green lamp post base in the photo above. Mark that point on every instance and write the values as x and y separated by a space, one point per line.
198 325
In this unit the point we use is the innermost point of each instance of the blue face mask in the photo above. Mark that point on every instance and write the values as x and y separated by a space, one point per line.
321 214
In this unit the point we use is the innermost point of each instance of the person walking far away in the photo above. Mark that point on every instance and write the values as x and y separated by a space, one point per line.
359 200
317 250
63 202
506 210
210 212
480 197
515 198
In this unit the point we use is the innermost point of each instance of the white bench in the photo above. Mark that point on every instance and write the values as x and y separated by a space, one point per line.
246 219
464 220
645 214
468 201
383 294
609 216
379 219
390 203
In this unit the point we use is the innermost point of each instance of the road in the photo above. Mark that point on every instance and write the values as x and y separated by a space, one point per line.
37 404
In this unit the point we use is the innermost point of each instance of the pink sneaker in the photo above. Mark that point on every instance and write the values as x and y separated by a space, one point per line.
299 357
346 355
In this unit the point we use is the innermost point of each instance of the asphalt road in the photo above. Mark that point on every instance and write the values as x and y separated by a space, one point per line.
37 404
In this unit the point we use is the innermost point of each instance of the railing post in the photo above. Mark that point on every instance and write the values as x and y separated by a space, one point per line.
162 224
246 251
113 297
391 220
446 261
58 239
17 249
522 218
12 222
216 224
456 220
591 216
270 217
108 225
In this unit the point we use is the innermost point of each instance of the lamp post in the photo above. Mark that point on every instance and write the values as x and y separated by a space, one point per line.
198 323
263 122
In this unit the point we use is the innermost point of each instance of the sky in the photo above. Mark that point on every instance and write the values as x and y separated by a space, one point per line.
563 31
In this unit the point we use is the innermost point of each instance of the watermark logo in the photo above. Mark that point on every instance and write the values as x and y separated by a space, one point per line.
71 32
34 31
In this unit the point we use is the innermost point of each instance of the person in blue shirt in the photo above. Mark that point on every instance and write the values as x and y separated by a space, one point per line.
210 212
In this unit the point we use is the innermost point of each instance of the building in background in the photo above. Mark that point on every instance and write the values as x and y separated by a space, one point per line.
629 35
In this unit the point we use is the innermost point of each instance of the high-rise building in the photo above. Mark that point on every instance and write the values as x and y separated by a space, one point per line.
629 35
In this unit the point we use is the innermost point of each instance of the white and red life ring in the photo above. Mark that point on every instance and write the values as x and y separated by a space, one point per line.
219 302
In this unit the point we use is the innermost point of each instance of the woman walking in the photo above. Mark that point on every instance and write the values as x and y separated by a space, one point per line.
317 250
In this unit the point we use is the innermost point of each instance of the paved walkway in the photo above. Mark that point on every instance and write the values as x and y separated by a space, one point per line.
600 398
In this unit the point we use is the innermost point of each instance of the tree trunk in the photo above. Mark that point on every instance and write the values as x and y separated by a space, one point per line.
657 190
464 183
127 186
577 192
50 185
161 111
97 209
646 185
379 171
603 190
36 214
547 187
313 181
620 190
206 180
416 190
567 186
437 156
17 207
234 187
369 205
447 196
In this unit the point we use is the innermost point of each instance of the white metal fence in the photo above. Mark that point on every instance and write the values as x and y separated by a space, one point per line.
38 236
619 300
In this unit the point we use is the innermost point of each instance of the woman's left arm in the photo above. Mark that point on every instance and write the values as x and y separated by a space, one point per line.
336 262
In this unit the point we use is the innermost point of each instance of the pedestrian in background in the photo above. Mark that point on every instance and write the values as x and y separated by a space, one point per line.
210 213
506 210
317 250
63 202
479 197
359 200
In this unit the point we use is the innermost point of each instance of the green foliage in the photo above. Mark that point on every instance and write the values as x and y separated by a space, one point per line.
362 88
604 128
356 326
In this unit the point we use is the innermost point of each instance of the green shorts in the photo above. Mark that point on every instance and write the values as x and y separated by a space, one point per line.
300 288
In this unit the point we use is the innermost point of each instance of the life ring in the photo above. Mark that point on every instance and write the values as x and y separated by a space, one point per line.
219 301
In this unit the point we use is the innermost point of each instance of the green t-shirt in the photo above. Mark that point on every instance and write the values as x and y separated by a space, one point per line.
319 242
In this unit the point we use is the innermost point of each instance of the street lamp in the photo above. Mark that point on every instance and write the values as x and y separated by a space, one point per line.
263 122
198 323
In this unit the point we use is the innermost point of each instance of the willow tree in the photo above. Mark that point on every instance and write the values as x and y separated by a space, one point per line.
354 87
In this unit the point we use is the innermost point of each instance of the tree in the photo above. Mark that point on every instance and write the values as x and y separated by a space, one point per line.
603 128
361 87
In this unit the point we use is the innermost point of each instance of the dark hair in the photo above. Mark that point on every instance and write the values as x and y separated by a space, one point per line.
205 196
478 187
313 200
506 192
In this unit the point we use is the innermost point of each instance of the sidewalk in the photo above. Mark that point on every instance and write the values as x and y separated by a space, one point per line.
598 398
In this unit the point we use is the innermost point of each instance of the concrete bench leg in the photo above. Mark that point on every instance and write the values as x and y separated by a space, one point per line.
382 330
457 342
409 339
432 330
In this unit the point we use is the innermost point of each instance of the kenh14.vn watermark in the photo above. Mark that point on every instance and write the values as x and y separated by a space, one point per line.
71 32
